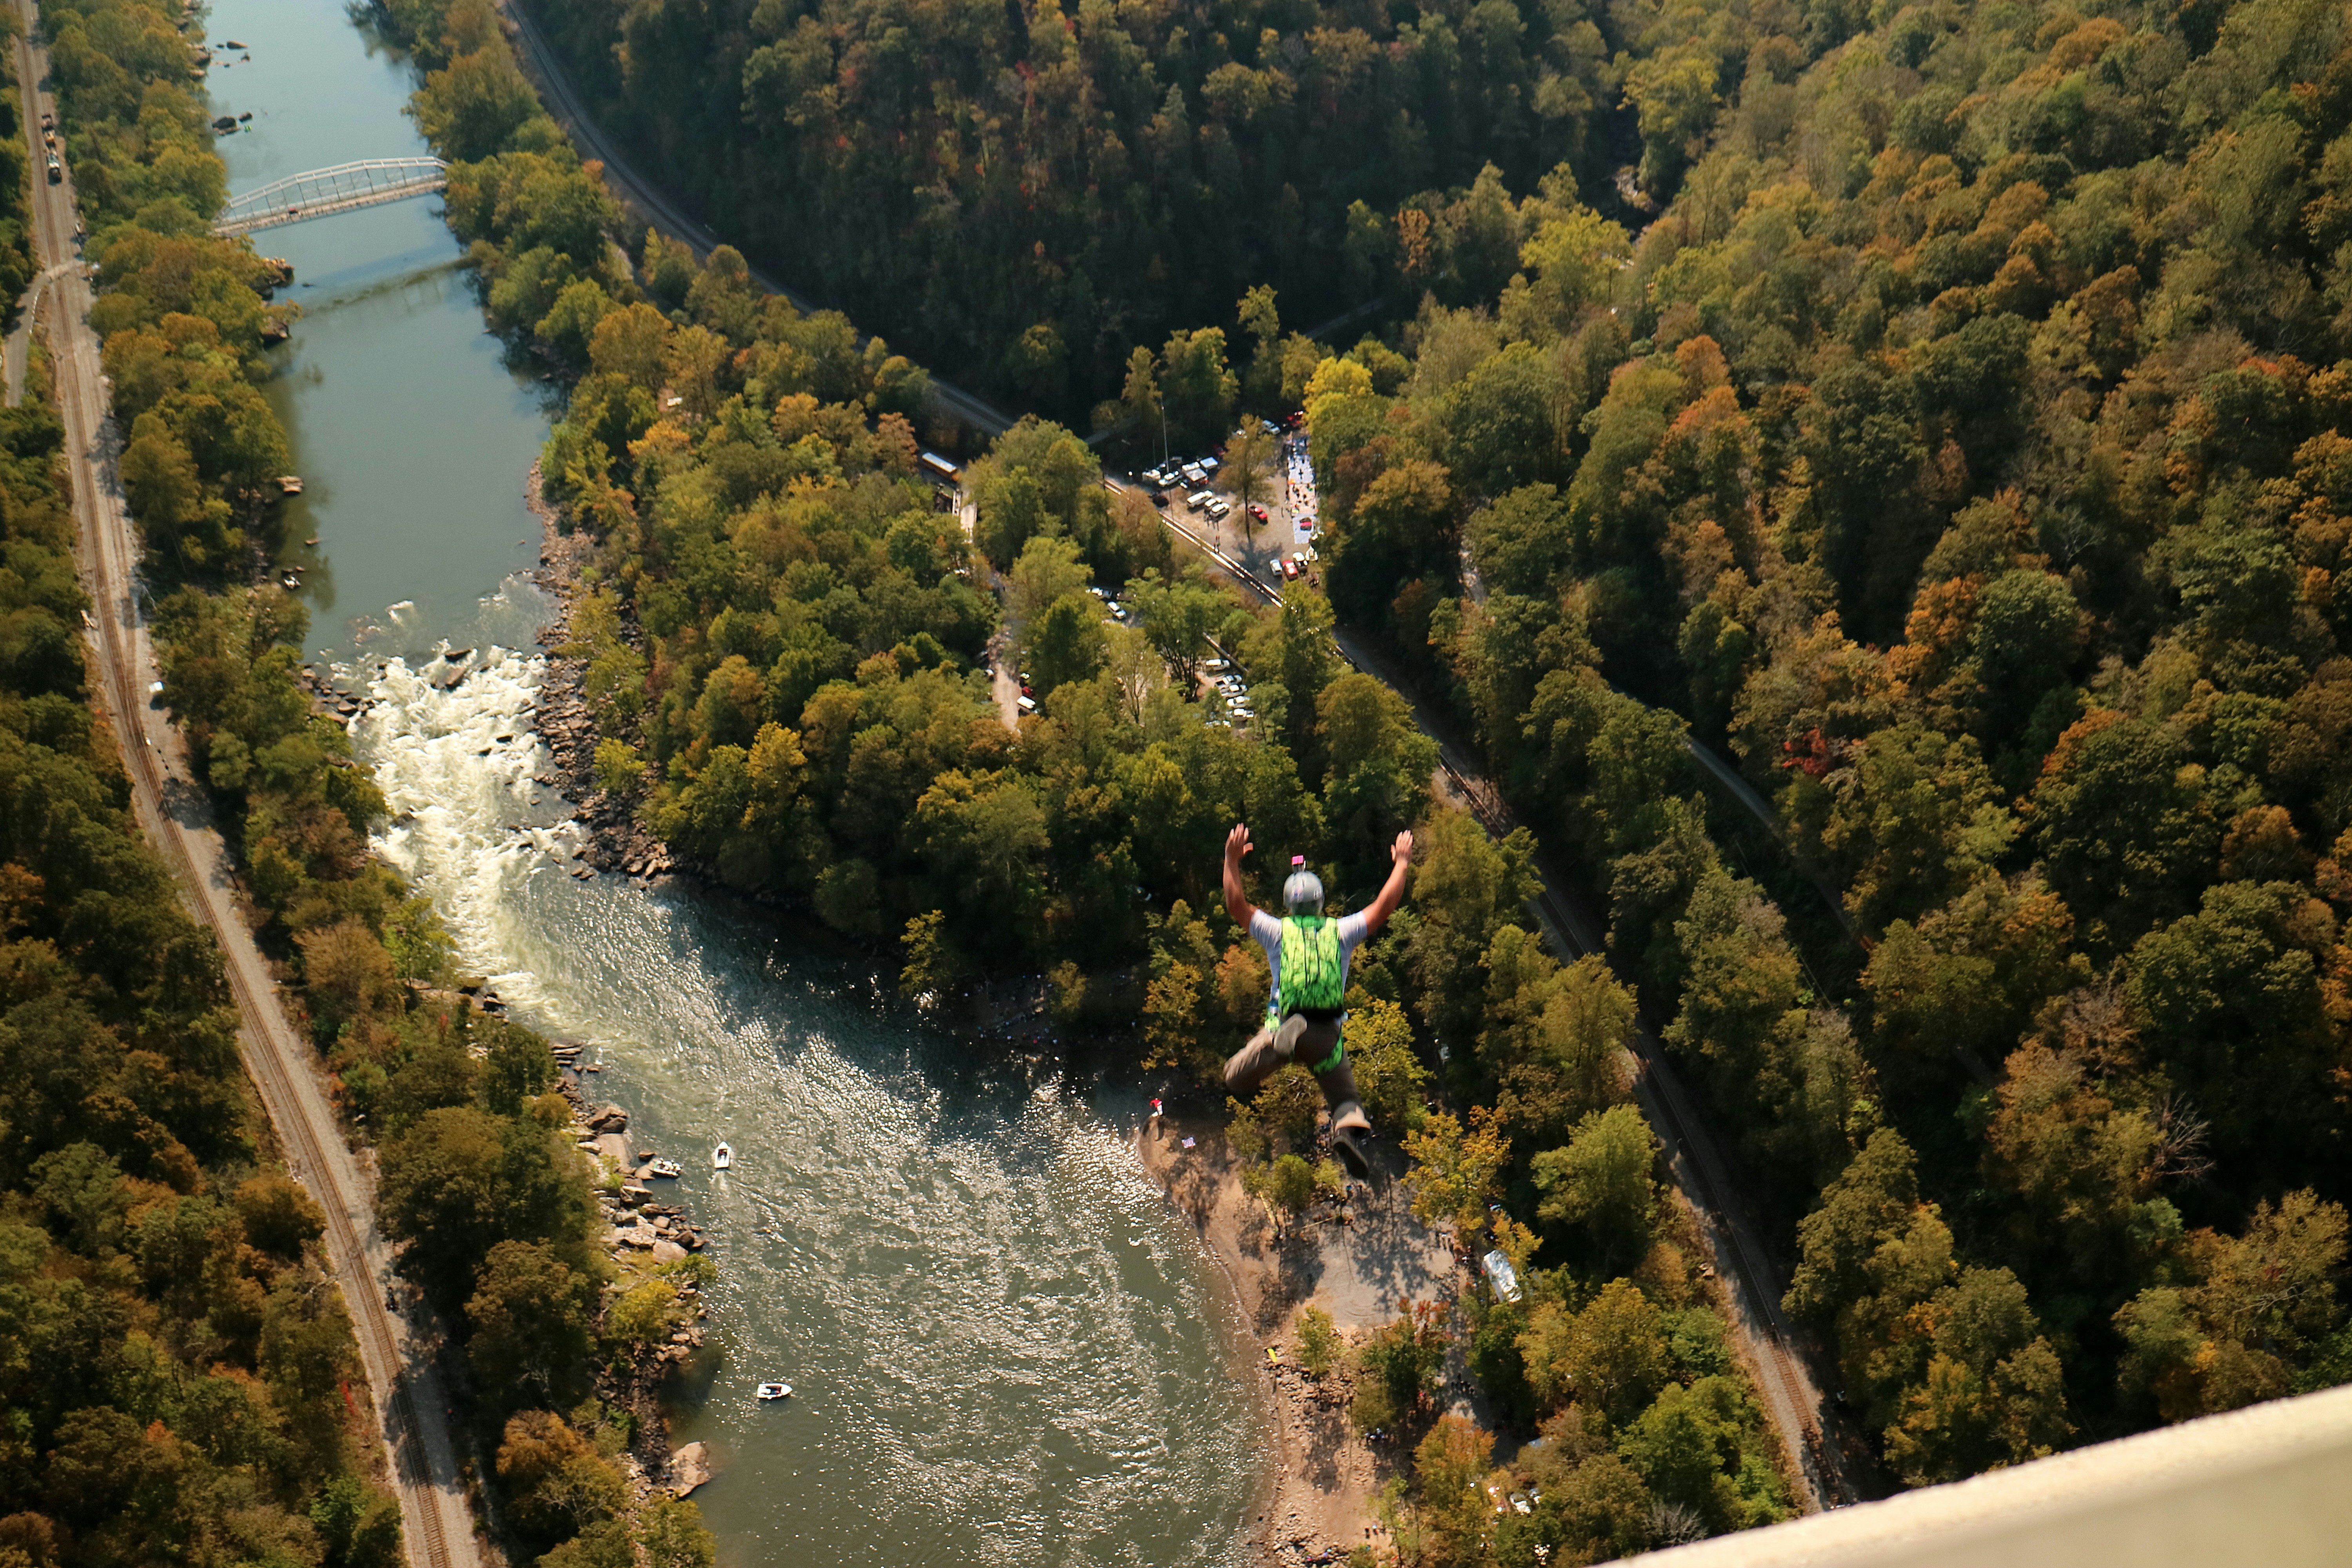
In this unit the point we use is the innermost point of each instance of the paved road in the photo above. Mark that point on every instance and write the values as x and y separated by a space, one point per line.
18 349
555 89
409 1399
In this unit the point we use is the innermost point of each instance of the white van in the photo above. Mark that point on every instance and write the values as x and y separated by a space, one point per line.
1198 499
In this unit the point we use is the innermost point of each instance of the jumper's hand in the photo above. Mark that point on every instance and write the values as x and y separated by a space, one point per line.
1237 843
1403 851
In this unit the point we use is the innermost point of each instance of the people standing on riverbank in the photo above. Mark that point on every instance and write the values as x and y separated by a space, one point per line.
1307 953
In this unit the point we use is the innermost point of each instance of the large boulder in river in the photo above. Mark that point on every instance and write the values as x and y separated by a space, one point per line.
611 1119
689 1467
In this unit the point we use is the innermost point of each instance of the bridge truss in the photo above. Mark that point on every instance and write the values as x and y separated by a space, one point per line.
323 192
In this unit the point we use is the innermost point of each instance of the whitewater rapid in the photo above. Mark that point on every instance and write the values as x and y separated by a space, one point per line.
1003 1344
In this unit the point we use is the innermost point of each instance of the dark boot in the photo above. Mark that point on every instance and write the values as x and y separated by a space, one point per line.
1351 1133
1351 1130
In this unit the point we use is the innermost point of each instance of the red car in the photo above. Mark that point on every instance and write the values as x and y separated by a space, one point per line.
1258 514
1290 568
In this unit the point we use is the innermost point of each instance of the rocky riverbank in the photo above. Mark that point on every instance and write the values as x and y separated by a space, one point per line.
614 841
1320 1497
641 1233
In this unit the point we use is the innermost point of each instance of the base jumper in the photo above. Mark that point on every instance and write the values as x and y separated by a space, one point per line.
1308 953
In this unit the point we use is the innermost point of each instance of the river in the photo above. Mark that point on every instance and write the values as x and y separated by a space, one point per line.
1004 1348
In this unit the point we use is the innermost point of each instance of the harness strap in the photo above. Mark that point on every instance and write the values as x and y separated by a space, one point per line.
1338 1054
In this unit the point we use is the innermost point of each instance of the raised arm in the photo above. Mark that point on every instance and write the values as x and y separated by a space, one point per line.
1237 845
1377 912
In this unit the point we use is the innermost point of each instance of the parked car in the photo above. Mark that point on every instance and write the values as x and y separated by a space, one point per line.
1290 568
1258 514
1198 500
1220 508
56 170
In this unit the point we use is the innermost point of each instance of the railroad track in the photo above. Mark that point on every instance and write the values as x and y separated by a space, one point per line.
437 1524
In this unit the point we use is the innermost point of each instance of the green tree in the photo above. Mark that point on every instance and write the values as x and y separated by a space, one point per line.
1179 618
530 1317
1398 1366
472 107
1197 389
1602 1180
460 1180
1318 1343
2251 1314
1699 1446
1065 643
1456 1170
1611 1355
672 1534
1449 1465
278 1216
1389 1071
1251 466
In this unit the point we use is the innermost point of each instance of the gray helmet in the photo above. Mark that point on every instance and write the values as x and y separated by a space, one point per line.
1302 893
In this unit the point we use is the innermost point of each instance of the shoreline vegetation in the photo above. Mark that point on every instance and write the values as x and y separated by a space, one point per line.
1960 448
780 644
1957 440
782 641
559 1330
177 1363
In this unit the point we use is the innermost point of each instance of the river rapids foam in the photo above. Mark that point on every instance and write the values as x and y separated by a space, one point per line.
1005 1346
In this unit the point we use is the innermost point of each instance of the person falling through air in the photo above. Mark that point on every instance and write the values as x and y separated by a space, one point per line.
1308 953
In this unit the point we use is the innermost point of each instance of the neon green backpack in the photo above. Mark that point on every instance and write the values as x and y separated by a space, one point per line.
1311 958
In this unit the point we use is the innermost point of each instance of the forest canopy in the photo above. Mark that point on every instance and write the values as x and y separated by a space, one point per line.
1939 418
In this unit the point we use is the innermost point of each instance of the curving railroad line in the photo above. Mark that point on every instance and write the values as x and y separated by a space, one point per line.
395 1350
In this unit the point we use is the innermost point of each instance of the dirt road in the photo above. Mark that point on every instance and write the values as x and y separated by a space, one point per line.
408 1396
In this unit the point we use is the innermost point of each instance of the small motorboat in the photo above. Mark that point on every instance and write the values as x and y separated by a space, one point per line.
664 1167
721 1157
775 1391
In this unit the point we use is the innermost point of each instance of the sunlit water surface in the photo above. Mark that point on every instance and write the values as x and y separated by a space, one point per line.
1004 1348
1003 1345
411 431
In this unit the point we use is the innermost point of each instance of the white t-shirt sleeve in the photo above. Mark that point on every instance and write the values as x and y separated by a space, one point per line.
1268 931
1353 929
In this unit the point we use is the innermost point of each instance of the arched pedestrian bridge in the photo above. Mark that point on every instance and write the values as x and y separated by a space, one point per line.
322 192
